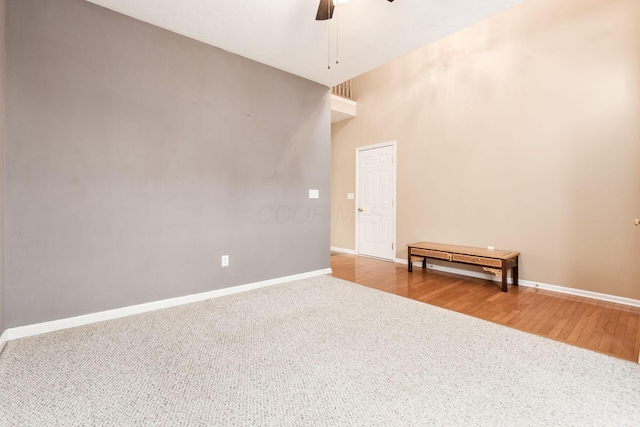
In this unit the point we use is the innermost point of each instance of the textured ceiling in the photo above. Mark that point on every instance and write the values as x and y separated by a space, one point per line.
284 33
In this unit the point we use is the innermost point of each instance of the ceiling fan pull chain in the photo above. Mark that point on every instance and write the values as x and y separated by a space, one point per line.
329 49
337 38
329 34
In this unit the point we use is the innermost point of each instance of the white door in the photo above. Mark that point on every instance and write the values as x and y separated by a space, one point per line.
375 225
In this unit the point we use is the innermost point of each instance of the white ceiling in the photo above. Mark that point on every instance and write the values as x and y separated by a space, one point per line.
284 33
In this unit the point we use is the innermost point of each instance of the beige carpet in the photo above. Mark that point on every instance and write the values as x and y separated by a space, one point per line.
315 352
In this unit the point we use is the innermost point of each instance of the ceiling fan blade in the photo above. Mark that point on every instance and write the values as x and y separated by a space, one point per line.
325 10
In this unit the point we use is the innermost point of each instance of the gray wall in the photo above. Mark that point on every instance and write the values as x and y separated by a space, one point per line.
137 157
2 130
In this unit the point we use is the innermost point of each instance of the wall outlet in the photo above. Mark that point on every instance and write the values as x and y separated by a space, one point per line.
314 194
350 196
490 248
225 260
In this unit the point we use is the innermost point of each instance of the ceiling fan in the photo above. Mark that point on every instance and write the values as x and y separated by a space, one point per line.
325 9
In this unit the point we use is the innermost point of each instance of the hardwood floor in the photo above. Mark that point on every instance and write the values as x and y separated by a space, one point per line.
601 326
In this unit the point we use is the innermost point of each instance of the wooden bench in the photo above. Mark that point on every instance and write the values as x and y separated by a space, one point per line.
494 261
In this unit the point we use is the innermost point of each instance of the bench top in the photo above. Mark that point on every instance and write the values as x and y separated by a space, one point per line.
466 250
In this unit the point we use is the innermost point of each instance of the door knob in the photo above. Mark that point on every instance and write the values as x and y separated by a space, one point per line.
637 222
360 210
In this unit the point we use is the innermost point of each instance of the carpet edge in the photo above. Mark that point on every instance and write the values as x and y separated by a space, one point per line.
116 313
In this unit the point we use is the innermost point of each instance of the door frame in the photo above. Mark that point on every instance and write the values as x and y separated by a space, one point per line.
394 203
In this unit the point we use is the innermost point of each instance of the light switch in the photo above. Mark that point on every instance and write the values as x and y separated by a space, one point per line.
314 194
350 196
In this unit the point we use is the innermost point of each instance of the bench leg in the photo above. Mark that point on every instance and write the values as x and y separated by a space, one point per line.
410 263
515 273
424 262
504 276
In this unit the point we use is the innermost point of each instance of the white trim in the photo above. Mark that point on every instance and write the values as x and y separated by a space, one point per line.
344 100
582 293
530 284
343 251
342 109
3 339
71 322
394 145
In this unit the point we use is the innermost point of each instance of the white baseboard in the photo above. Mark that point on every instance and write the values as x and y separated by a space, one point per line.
3 339
71 322
343 251
530 284
582 293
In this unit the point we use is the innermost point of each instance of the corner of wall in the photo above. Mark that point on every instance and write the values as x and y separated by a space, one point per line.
4 337
2 131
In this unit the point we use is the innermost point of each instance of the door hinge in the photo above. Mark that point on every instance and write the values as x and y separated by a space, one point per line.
392 246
